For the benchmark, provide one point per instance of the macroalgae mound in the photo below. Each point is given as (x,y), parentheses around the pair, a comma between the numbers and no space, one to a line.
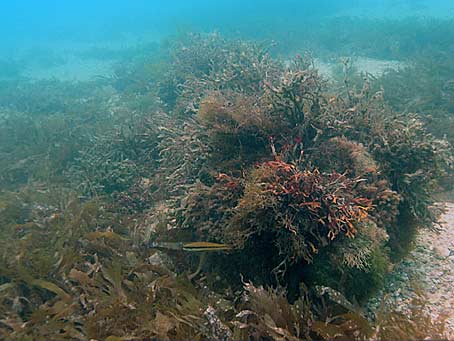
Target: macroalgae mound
(307,188)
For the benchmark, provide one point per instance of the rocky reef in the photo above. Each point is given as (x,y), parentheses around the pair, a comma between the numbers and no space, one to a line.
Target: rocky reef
(314,191)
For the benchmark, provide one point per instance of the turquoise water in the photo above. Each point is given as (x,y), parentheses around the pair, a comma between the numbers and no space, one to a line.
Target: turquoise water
(45,39)
(26,24)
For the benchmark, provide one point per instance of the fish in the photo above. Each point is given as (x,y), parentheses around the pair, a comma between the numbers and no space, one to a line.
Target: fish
(192,246)
(202,247)
(205,247)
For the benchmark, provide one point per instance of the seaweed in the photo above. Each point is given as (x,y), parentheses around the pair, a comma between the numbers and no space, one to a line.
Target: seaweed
(386,324)
(208,140)
(268,315)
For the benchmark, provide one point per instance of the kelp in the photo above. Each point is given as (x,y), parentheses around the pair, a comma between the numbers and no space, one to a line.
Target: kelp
(386,324)
(201,64)
(84,282)
(267,314)
(356,129)
(209,141)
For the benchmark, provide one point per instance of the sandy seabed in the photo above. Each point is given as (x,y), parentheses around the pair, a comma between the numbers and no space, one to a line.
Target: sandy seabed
(428,273)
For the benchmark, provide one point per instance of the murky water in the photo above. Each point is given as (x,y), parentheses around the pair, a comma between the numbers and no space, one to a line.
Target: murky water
(228,170)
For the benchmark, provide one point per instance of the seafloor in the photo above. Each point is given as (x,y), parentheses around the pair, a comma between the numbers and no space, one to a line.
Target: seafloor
(427,272)
(429,269)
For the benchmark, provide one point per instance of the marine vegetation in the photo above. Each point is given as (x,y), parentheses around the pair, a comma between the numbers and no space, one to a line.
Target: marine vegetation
(213,192)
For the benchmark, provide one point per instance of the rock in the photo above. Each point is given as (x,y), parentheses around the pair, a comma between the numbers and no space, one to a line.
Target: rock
(218,330)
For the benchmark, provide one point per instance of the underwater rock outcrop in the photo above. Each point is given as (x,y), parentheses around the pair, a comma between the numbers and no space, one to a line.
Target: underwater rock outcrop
(305,187)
